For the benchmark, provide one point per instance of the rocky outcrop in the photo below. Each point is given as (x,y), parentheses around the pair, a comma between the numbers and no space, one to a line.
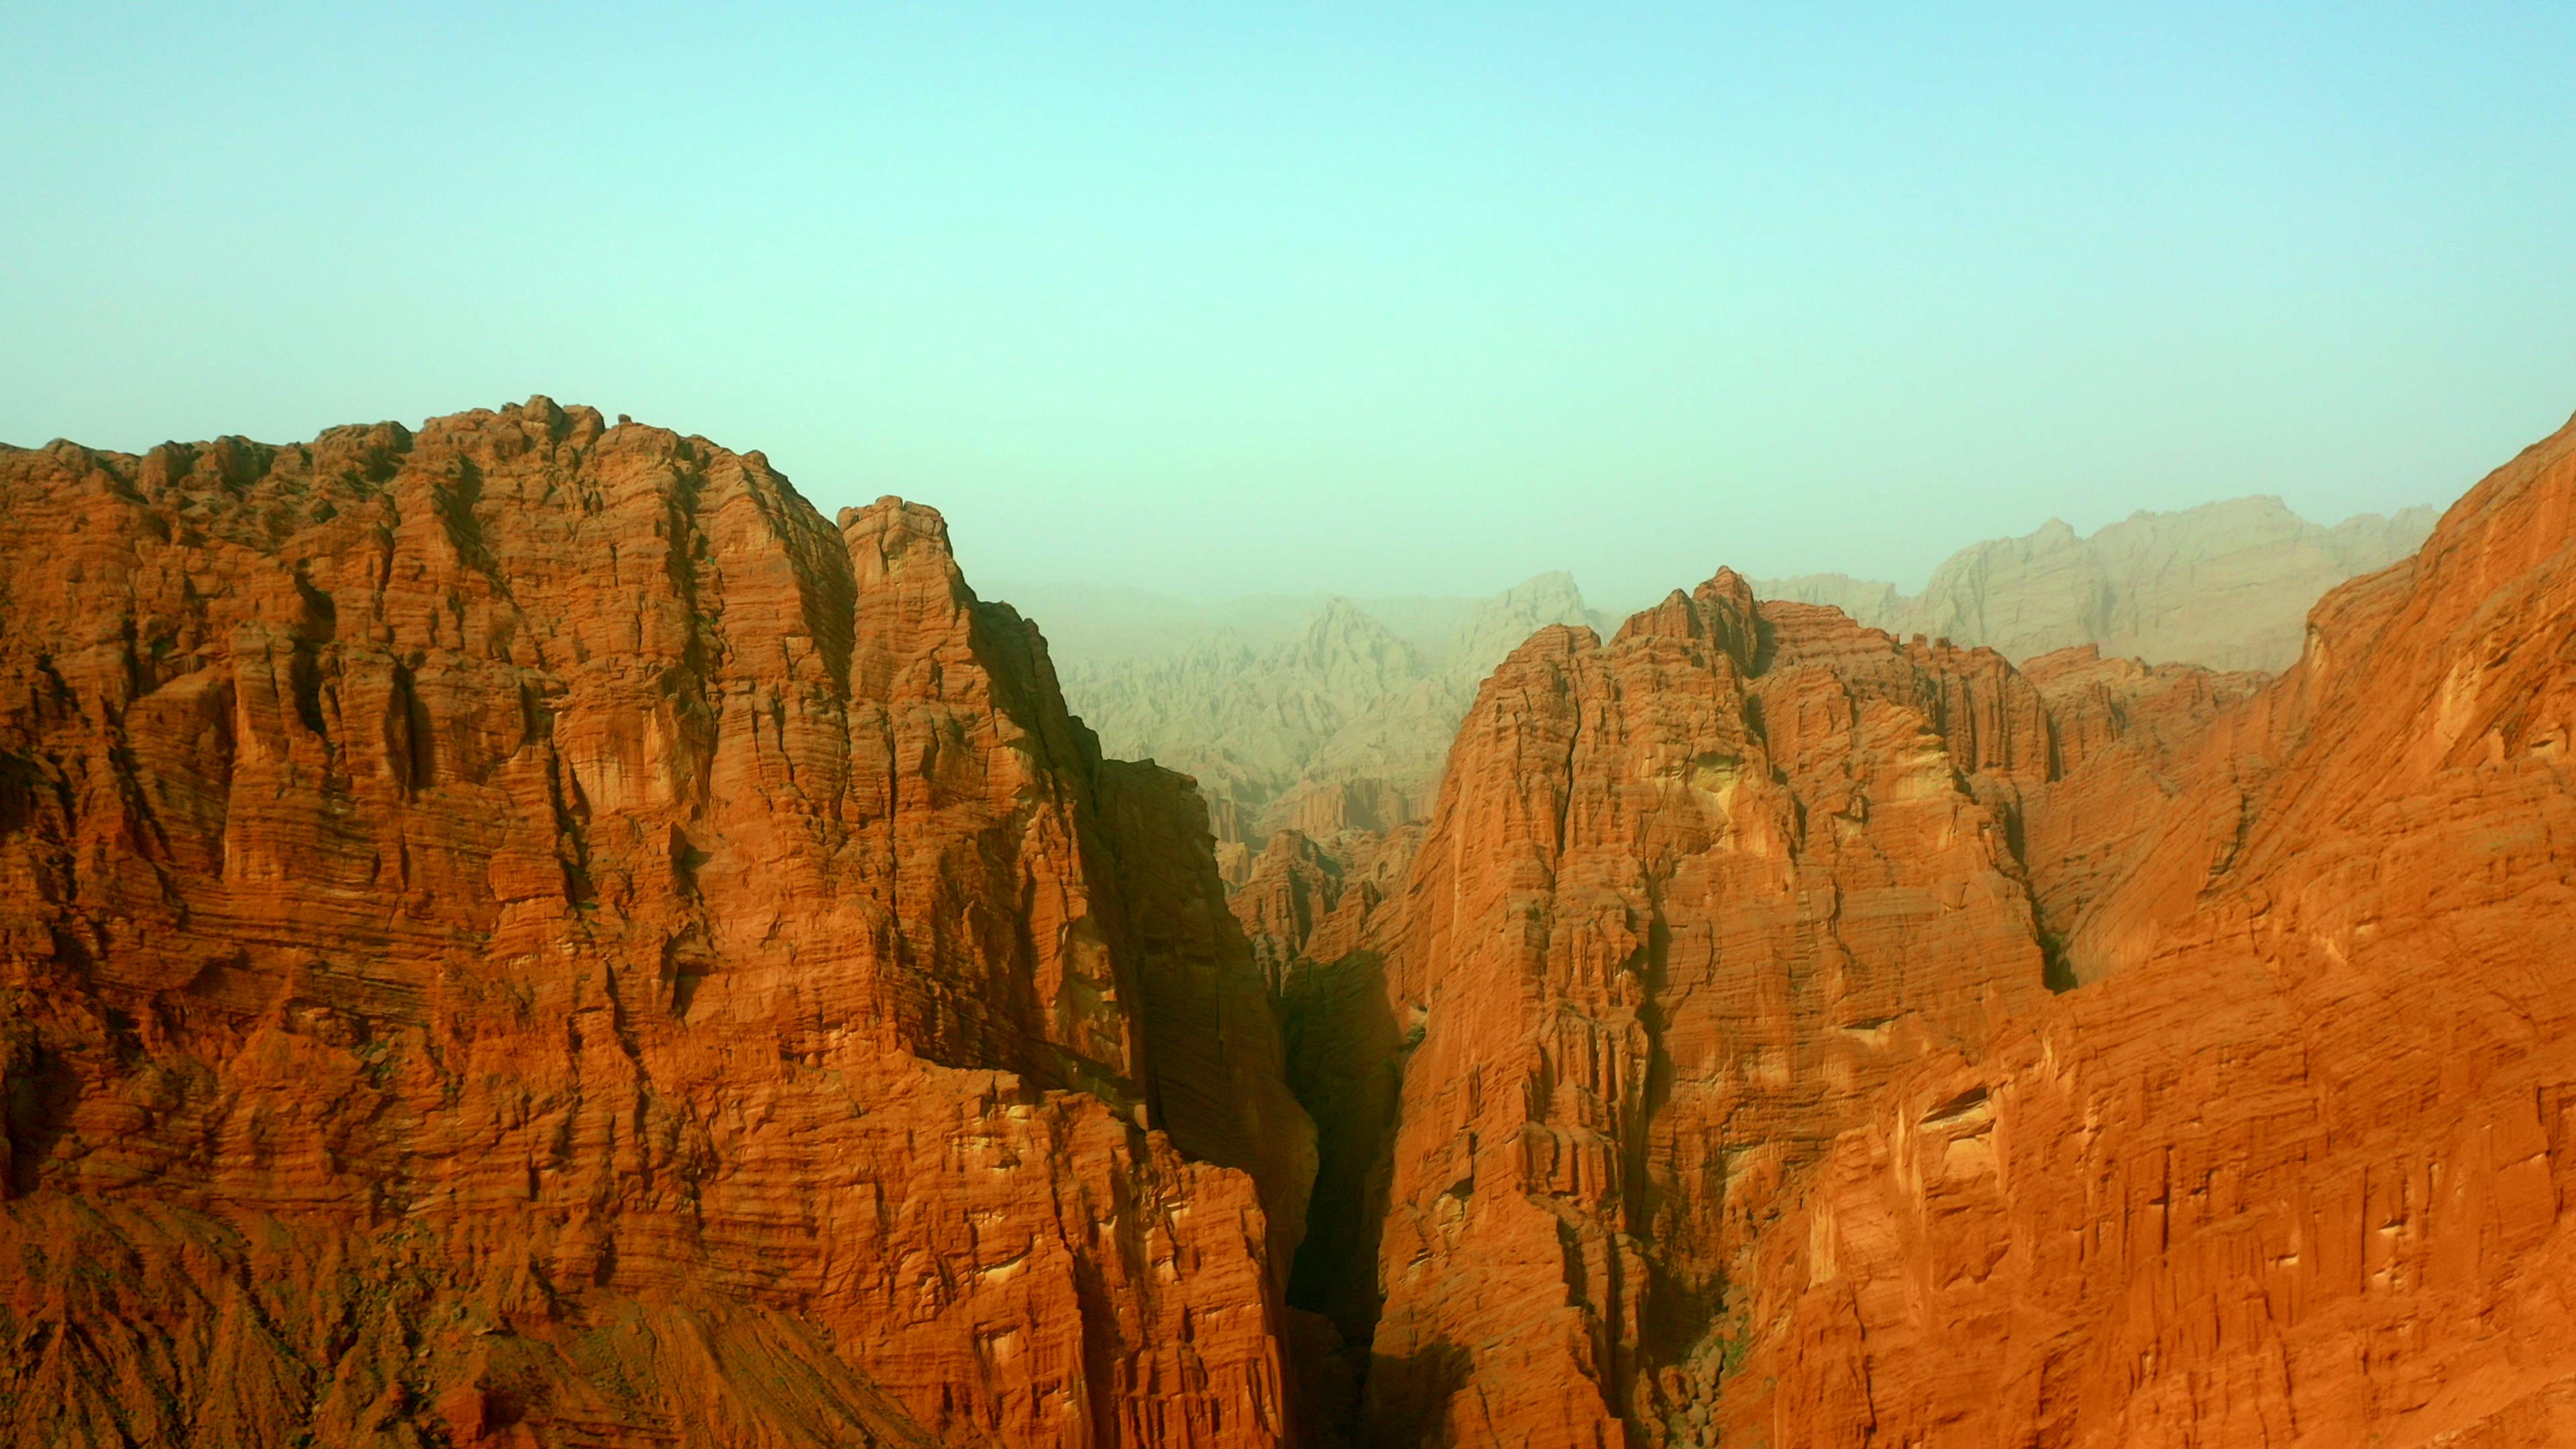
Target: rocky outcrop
(2294,1169)
(522,932)
(1691,898)
(1703,1083)
(2225,584)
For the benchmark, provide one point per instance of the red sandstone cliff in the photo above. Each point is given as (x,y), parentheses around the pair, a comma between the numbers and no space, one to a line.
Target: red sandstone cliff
(1690,900)
(1704,1085)
(2294,1169)
(523,932)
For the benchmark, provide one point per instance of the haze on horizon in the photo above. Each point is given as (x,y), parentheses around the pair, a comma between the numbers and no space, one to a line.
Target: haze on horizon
(1410,302)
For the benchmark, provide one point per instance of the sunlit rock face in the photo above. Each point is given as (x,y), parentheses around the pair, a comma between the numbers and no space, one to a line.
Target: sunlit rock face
(524,933)
(1707,1083)
(525,929)
(2293,1170)
(1691,899)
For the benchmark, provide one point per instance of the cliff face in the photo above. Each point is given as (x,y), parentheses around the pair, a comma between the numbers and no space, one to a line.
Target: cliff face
(2294,1170)
(525,932)
(1702,1082)
(1691,900)
(2226,584)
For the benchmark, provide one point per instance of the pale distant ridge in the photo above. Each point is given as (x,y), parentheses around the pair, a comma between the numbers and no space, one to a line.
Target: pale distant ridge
(1344,724)
(2225,584)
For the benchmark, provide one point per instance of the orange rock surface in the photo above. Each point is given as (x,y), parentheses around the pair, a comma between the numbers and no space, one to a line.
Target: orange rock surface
(524,932)
(1702,1083)
(2293,1170)
(1690,898)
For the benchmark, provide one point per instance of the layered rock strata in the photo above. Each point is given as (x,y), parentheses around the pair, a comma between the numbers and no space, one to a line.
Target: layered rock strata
(1692,899)
(1702,1082)
(2294,1170)
(524,932)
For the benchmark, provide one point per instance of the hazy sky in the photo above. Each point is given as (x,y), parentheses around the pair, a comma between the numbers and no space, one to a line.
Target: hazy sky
(1378,299)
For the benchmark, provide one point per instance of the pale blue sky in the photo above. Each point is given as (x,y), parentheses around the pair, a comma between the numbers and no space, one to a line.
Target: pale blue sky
(1375,299)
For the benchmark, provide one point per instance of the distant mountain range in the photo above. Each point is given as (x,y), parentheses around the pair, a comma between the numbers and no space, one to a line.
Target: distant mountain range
(2225,584)
(1321,713)
(1342,724)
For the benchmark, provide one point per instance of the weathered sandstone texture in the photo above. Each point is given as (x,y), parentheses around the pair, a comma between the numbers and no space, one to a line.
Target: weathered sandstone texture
(1691,900)
(1700,1081)
(2294,1169)
(522,932)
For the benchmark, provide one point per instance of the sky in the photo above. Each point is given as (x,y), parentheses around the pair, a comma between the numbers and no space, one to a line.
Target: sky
(1384,299)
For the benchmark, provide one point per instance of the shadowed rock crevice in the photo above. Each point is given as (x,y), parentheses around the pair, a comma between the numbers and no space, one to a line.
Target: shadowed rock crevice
(1345,1059)
(1413,1400)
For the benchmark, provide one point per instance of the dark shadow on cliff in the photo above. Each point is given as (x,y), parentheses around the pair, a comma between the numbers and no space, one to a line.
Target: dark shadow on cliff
(1408,1398)
(1345,1063)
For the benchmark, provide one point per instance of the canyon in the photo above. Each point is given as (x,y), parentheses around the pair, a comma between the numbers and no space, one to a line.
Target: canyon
(1784,1034)
(522,932)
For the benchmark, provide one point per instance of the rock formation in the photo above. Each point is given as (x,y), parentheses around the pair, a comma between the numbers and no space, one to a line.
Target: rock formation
(1691,899)
(522,932)
(2294,1168)
(2224,584)
(1702,1083)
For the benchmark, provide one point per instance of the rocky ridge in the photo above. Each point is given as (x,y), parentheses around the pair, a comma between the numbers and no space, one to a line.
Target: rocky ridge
(2227,584)
(1691,900)
(1346,725)
(1702,1082)
(523,932)
(2294,1170)
(1342,727)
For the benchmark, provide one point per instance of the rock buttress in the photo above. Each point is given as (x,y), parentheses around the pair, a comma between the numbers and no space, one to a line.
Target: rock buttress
(2293,1168)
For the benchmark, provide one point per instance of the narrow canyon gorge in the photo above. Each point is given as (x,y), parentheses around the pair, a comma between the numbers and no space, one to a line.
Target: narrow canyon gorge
(523,932)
